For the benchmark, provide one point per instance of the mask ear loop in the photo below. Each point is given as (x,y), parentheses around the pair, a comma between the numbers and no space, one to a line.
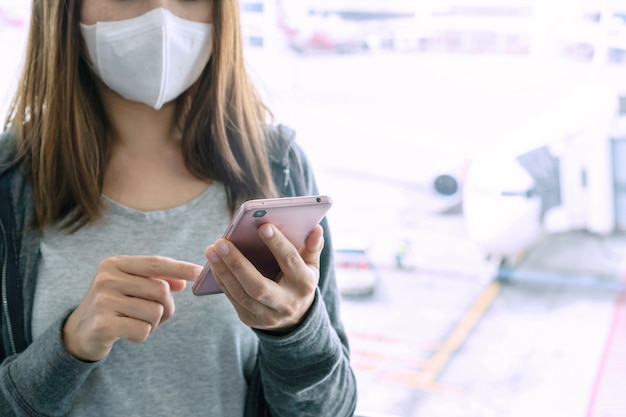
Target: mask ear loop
(89,49)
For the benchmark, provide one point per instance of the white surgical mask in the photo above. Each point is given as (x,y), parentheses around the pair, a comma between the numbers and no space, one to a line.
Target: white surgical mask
(152,58)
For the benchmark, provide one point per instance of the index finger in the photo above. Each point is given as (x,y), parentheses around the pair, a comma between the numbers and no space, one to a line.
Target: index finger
(158,267)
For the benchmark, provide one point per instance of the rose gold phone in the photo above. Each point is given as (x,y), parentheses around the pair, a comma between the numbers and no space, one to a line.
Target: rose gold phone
(295,217)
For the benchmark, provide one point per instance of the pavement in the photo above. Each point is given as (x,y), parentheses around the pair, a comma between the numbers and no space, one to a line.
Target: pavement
(450,339)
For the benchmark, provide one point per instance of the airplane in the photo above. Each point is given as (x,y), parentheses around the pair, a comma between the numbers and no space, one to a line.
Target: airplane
(565,171)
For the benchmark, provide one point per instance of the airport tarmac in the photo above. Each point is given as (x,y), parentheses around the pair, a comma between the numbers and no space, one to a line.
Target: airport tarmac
(448,339)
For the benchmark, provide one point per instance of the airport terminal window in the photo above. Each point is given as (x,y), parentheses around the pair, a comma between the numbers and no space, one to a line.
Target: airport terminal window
(462,295)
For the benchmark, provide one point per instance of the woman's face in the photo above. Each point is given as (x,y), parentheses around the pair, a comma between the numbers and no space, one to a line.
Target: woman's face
(93,11)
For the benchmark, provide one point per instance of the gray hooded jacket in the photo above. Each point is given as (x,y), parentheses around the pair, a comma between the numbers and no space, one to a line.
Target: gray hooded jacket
(304,373)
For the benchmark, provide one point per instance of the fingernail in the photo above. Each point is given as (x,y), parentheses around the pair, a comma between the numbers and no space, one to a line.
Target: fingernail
(222,248)
(268,231)
(212,255)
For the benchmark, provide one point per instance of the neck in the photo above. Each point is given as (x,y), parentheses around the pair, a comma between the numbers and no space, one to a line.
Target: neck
(146,170)
(137,126)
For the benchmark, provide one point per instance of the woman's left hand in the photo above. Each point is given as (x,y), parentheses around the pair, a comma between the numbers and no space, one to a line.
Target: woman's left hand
(260,302)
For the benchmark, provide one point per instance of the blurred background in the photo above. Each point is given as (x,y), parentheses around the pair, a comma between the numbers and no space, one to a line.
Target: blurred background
(476,154)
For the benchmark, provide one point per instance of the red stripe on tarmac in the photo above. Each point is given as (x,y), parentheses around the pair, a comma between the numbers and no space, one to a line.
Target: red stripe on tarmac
(607,397)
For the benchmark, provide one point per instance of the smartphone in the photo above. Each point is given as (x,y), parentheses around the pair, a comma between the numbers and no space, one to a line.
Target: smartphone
(295,217)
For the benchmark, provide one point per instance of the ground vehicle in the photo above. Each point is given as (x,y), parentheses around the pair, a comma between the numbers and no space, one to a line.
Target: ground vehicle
(356,274)
(13,15)
(325,32)
(341,26)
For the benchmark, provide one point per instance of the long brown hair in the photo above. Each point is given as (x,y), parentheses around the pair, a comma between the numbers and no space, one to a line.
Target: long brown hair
(62,130)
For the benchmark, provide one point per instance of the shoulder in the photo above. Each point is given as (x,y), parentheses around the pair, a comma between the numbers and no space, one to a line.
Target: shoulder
(8,151)
(15,188)
(290,166)
(280,140)
(282,144)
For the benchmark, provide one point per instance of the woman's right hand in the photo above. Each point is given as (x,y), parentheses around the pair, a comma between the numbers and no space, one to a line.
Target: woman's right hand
(129,297)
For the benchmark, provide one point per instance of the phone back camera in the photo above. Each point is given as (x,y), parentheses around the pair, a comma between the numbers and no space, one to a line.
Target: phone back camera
(259,213)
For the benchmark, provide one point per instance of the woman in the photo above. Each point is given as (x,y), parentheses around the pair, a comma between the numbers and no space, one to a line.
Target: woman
(132,138)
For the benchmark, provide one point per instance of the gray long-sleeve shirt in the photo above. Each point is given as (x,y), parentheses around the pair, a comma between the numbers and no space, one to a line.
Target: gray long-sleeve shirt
(304,373)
